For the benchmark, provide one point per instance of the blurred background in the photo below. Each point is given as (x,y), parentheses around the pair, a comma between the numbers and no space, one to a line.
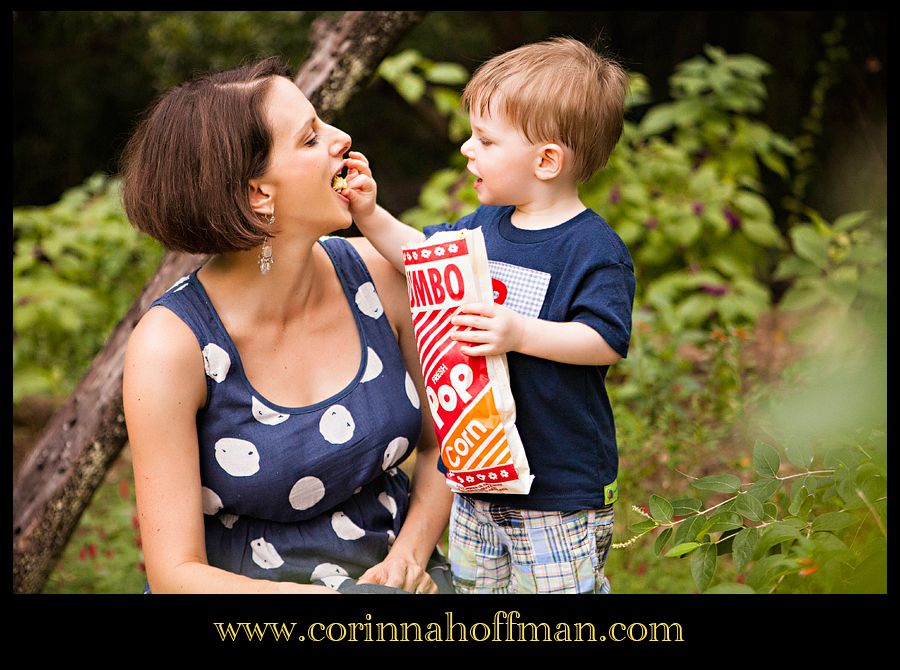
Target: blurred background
(750,186)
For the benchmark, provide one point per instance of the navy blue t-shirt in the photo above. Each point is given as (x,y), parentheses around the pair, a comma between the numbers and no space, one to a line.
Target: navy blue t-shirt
(578,271)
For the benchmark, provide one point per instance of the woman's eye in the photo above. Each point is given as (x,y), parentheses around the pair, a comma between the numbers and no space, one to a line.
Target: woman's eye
(312,141)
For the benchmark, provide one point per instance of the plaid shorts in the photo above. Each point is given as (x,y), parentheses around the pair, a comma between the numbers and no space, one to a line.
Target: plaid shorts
(499,549)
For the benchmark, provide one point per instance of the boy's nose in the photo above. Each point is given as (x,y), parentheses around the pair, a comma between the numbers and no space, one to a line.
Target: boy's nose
(466,149)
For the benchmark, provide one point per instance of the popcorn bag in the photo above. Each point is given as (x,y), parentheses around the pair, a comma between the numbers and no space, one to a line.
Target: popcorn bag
(469,396)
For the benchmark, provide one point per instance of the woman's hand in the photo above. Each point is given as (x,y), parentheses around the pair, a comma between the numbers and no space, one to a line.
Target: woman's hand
(495,329)
(402,572)
(361,187)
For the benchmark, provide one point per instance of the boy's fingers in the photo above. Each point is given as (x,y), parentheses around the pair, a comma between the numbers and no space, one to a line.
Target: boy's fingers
(481,308)
(358,165)
(480,350)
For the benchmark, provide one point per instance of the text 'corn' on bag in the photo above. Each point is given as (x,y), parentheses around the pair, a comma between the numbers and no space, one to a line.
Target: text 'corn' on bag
(469,396)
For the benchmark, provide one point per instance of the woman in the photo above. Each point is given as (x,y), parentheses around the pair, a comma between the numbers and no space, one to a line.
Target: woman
(270,395)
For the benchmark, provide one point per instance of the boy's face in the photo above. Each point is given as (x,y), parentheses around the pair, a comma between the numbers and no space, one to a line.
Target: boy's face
(502,159)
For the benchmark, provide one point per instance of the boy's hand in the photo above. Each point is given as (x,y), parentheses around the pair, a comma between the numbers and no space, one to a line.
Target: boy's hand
(495,329)
(361,187)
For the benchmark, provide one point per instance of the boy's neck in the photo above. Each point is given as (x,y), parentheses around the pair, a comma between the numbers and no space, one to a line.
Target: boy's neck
(540,214)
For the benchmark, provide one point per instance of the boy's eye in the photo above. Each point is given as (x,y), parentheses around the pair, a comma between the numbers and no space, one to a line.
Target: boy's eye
(484,142)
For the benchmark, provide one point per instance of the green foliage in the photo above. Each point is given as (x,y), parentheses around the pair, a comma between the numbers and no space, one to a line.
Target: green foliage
(683,190)
(182,44)
(77,267)
(836,268)
(821,529)
(420,80)
(814,517)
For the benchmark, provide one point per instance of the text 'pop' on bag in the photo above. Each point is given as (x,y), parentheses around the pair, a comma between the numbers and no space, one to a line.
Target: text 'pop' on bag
(469,397)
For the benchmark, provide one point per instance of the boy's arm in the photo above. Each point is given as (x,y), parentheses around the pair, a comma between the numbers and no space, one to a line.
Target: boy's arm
(386,233)
(498,329)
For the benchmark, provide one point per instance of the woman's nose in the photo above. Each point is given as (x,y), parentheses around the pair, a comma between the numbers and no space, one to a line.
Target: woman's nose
(341,142)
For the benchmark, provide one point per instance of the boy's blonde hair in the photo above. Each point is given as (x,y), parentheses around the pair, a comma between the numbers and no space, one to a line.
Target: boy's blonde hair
(558,90)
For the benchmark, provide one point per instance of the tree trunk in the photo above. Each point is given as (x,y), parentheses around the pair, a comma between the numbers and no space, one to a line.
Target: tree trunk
(69,460)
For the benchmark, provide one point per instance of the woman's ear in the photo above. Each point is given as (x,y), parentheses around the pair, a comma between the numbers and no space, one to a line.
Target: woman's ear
(260,196)
(552,160)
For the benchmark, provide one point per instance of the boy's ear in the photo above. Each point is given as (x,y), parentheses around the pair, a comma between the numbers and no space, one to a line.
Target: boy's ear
(261,199)
(552,160)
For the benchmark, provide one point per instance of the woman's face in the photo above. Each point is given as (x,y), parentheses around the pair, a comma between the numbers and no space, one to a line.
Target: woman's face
(306,154)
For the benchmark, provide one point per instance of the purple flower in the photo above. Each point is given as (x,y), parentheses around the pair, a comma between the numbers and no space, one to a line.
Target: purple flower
(714,289)
(733,219)
(615,195)
(651,223)
(698,207)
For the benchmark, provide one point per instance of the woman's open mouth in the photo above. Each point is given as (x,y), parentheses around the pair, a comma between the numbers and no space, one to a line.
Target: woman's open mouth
(339,181)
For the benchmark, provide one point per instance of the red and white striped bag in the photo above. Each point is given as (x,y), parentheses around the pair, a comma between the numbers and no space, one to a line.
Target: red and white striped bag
(469,396)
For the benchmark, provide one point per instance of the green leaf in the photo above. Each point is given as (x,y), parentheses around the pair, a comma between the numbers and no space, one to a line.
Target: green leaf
(763,233)
(743,546)
(799,453)
(748,506)
(703,566)
(766,570)
(661,541)
(729,588)
(810,244)
(799,497)
(447,73)
(660,508)
(410,86)
(776,533)
(682,549)
(718,483)
(643,526)
(850,221)
(689,529)
(763,489)
(724,521)
(658,119)
(685,506)
(832,521)
(802,296)
(765,460)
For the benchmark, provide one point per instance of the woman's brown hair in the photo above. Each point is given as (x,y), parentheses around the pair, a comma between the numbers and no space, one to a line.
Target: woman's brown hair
(186,167)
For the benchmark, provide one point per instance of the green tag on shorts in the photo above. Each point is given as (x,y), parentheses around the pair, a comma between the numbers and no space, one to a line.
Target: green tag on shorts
(611,492)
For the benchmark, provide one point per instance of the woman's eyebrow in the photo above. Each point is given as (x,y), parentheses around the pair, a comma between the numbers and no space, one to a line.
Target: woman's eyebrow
(303,128)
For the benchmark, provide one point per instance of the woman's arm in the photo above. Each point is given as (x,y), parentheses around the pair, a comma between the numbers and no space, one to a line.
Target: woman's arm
(164,385)
(430,498)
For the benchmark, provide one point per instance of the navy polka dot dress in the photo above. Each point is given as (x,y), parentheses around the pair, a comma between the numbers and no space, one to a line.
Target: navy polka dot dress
(303,493)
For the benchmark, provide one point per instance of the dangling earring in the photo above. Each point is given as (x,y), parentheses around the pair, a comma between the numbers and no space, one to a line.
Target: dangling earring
(265,254)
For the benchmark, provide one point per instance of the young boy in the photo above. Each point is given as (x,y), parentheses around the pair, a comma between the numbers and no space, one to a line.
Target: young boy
(545,117)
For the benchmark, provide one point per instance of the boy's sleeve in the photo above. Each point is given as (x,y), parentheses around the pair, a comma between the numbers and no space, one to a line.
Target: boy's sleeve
(604,301)
(439,228)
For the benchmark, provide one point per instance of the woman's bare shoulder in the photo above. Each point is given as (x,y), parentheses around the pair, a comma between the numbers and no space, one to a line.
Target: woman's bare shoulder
(162,349)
